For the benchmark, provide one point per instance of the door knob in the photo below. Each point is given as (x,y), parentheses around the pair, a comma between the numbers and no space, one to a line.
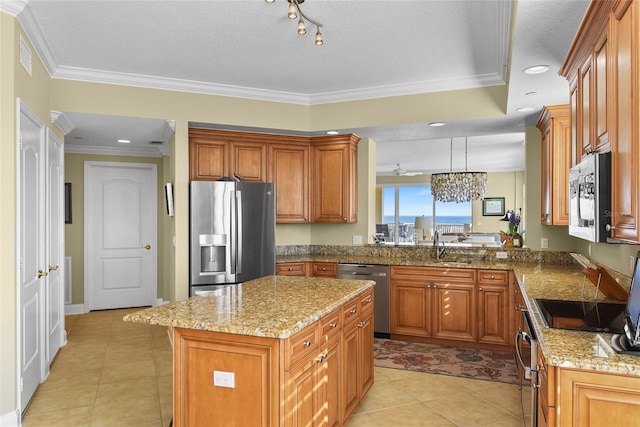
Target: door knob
(147,247)
(53,268)
(42,273)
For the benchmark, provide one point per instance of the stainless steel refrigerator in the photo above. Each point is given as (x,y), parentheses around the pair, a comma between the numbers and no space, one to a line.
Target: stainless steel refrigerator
(232,233)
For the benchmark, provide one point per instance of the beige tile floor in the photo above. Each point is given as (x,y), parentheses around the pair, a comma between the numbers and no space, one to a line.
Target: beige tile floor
(113,373)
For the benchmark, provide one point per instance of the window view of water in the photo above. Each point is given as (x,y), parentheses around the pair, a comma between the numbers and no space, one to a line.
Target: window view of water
(388,219)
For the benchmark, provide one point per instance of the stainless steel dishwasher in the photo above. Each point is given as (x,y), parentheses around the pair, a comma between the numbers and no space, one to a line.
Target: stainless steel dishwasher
(380,275)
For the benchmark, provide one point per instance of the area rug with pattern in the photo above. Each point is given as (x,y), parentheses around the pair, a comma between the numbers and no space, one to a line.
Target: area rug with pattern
(436,359)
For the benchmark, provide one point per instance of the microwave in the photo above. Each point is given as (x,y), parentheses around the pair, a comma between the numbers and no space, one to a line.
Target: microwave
(590,197)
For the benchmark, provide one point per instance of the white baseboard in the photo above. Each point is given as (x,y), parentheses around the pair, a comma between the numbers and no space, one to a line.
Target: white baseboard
(74,309)
(12,419)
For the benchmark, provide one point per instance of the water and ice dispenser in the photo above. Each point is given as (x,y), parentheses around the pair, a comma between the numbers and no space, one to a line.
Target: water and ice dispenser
(212,253)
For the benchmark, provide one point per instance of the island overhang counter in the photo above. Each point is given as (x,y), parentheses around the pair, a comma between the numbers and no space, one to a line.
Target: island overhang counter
(275,351)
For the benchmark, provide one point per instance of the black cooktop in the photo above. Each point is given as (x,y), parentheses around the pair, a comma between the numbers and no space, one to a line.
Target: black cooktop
(582,315)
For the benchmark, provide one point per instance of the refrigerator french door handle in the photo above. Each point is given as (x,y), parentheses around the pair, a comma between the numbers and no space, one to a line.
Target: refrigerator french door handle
(240,226)
(233,231)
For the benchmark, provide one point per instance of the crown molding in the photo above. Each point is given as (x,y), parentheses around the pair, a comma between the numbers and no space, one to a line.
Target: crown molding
(12,7)
(61,121)
(110,151)
(29,24)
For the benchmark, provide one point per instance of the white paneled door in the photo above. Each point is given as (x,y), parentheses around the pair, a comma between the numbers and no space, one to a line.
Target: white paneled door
(31,261)
(120,235)
(54,248)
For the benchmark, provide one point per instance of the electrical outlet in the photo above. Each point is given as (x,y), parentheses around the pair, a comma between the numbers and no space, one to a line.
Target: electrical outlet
(544,243)
(224,379)
(357,239)
(501,255)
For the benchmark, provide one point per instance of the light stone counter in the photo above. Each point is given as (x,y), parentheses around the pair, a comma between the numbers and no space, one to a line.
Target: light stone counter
(272,306)
(564,348)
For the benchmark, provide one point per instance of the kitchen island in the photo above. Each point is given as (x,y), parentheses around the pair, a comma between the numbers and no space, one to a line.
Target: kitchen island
(275,351)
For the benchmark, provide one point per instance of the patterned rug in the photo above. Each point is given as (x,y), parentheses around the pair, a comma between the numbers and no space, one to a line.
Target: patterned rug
(435,359)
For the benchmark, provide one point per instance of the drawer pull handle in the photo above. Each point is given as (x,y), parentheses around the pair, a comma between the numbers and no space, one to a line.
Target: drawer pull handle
(492,277)
(322,356)
(306,343)
(368,300)
(290,268)
(353,311)
(362,324)
(333,324)
(480,289)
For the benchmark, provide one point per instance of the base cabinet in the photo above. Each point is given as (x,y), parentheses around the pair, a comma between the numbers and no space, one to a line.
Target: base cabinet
(317,377)
(598,399)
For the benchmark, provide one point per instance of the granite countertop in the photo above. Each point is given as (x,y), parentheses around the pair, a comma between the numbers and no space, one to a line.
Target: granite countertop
(566,348)
(562,281)
(272,306)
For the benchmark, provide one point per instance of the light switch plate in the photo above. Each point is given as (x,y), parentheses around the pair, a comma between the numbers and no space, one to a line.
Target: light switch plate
(357,239)
(544,243)
(501,255)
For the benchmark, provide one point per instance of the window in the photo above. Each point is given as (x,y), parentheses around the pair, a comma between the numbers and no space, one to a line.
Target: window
(401,204)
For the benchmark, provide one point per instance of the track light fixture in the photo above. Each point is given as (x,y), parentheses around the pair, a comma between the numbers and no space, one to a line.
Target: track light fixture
(295,12)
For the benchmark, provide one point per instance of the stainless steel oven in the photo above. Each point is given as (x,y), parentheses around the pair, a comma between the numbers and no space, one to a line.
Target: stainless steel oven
(527,355)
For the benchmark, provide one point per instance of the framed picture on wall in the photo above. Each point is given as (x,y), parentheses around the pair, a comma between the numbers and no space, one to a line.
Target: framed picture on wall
(493,206)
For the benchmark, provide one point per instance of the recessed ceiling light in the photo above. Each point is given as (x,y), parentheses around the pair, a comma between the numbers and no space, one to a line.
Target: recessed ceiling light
(525,109)
(536,69)
(332,132)
(124,141)
(436,124)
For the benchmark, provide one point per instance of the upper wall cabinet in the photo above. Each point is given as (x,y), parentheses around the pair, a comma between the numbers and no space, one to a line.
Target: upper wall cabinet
(316,178)
(216,154)
(335,172)
(602,70)
(554,125)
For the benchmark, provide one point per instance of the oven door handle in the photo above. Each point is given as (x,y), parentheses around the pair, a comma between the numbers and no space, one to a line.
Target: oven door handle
(522,335)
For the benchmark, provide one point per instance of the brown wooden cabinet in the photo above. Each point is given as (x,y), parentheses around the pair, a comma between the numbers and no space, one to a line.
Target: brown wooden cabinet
(324,269)
(602,67)
(215,154)
(357,348)
(316,179)
(438,303)
(289,169)
(546,393)
(493,307)
(298,269)
(335,183)
(555,128)
(317,377)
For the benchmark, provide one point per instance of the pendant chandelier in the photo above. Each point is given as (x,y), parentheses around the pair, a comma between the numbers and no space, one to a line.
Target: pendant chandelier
(295,12)
(458,187)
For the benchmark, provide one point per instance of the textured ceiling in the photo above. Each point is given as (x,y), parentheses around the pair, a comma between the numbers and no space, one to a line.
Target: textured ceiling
(372,49)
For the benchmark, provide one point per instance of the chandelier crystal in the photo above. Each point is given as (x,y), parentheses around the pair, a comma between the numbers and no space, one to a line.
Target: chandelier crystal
(294,11)
(458,187)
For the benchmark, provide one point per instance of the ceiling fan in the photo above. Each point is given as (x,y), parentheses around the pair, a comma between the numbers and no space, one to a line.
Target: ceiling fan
(401,172)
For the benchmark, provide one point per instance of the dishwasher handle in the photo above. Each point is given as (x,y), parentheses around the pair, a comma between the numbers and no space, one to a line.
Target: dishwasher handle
(356,273)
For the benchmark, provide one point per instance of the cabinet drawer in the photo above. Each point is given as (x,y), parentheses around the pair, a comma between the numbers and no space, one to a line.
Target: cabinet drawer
(291,269)
(330,325)
(350,311)
(301,344)
(498,277)
(325,269)
(366,301)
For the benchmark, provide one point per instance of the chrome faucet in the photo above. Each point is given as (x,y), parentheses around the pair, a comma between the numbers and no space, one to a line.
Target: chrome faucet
(436,243)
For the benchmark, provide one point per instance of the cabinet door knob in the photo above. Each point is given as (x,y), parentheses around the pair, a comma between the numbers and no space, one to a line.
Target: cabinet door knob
(306,343)
(362,324)
(480,289)
(333,324)
(353,311)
